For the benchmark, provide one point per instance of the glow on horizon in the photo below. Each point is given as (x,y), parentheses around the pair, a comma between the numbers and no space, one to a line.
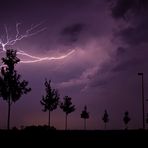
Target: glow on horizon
(29,32)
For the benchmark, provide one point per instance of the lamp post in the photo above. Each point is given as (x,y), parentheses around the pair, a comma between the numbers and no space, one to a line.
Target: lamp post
(143,114)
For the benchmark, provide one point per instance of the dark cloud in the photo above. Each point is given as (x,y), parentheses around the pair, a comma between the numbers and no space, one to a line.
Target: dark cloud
(133,36)
(72,33)
(123,8)
(120,52)
(137,34)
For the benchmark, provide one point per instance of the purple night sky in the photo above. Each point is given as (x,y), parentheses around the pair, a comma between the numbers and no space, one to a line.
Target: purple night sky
(110,38)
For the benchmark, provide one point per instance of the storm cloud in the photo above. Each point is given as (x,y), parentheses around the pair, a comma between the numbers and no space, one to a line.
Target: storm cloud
(110,42)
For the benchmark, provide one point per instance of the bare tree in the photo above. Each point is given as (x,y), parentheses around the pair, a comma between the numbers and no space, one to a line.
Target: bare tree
(67,107)
(51,99)
(11,87)
(85,115)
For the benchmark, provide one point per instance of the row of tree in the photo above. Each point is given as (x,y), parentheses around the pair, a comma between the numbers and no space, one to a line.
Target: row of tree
(126,119)
(52,99)
(12,88)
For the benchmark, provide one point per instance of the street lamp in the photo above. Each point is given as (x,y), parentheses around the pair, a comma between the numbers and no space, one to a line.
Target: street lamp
(141,74)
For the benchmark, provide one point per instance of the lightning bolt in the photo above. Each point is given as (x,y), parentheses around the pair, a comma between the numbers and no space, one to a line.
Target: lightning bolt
(33,30)
(39,59)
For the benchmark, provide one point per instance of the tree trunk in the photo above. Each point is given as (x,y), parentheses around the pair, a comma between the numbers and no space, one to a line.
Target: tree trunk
(8,120)
(126,127)
(84,124)
(105,125)
(66,122)
(49,119)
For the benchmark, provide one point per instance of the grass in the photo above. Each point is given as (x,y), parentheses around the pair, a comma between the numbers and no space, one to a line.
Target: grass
(71,138)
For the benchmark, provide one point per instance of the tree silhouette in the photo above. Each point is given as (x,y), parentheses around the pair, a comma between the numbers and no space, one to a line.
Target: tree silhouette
(85,115)
(51,99)
(126,119)
(11,87)
(67,107)
(105,118)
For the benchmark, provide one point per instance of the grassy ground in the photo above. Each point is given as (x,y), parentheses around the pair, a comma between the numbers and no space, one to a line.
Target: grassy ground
(73,138)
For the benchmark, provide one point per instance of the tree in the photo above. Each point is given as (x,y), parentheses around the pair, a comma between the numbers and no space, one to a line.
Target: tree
(51,99)
(85,115)
(67,107)
(105,118)
(11,87)
(126,119)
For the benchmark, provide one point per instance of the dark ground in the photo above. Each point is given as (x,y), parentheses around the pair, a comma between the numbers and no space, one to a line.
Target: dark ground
(73,138)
